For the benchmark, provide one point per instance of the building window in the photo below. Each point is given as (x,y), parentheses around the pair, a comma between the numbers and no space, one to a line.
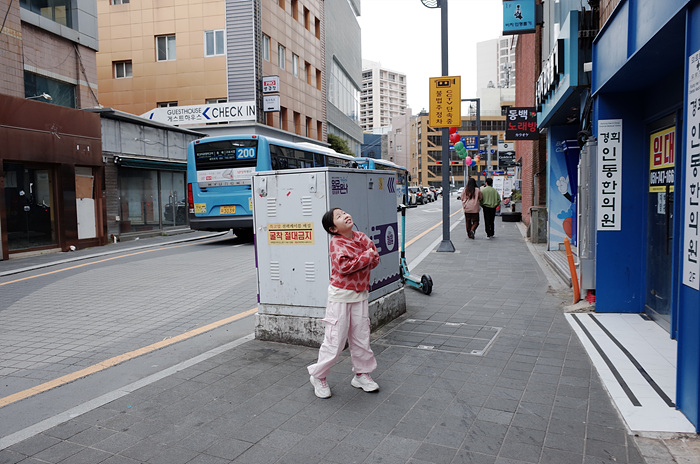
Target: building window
(317,28)
(295,65)
(266,47)
(280,55)
(122,69)
(343,93)
(283,118)
(281,3)
(297,123)
(309,127)
(307,70)
(62,93)
(318,79)
(119,2)
(307,19)
(295,9)
(56,10)
(166,104)
(214,43)
(165,47)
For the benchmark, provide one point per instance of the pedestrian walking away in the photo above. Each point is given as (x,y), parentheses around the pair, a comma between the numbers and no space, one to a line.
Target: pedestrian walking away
(489,202)
(471,198)
(353,255)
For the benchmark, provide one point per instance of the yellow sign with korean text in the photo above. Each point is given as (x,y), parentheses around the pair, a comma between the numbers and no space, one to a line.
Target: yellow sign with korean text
(662,160)
(290,233)
(445,101)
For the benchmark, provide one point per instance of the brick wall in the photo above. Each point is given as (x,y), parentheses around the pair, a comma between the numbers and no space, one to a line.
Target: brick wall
(57,58)
(11,73)
(528,57)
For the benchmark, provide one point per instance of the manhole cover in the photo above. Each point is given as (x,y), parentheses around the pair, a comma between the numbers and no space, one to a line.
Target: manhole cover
(441,336)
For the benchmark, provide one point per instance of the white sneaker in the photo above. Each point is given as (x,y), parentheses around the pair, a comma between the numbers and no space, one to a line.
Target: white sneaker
(365,382)
(321,388)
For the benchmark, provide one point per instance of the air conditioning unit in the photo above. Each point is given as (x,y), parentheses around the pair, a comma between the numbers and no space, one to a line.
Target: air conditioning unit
(538,224)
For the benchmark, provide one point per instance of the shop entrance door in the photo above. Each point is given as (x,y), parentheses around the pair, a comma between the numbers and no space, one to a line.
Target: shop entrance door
(660,225)
(29,206)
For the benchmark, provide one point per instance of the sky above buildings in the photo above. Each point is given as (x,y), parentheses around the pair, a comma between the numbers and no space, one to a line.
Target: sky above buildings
(404,36)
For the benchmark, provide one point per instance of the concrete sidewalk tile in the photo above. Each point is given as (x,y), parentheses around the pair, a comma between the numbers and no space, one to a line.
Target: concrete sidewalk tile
(91,456)
(35,444)
(59,452)
(603,450)
(435,453)
(344,453)
(227,448)
(520,452)
(469,457)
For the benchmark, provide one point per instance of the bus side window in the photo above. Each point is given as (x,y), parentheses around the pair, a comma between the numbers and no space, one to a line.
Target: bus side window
(319,160)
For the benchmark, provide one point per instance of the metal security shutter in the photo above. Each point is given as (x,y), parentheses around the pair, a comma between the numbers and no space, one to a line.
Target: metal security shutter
(241,49)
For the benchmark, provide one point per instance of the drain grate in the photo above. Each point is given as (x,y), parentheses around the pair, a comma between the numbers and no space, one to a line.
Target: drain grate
(441,336)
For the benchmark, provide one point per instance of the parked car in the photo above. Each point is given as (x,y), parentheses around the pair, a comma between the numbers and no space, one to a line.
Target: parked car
(435,192)
(428,194)
(418,194)
(459,192)
(411,194)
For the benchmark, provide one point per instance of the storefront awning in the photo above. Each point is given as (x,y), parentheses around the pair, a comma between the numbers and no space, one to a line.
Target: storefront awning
(144,163)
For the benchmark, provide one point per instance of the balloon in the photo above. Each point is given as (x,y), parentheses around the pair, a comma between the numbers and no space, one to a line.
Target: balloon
(459,146)
(473,163)
(453,130)
(454,138)
(477,157)
(468,160)
(462,156)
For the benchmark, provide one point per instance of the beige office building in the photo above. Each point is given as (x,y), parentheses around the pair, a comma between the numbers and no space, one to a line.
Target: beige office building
(174,53)
(425,163)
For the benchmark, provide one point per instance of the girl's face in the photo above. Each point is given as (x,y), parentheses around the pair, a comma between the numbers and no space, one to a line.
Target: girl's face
(342,223)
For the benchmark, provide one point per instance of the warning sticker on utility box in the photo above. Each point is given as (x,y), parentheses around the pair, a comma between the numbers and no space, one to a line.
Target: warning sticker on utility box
(290,233)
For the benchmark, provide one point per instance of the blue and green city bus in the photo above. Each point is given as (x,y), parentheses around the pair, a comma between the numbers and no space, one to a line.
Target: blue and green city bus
(220,169)
(402,176)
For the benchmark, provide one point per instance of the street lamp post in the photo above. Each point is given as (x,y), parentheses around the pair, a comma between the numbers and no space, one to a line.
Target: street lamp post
(446,245)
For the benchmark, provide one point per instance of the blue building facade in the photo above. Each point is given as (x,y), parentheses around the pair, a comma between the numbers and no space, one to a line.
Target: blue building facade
(645,84)
(561,92)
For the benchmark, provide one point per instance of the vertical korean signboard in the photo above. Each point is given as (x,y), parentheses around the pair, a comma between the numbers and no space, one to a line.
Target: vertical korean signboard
(609,174)
(691,267)
(445,101)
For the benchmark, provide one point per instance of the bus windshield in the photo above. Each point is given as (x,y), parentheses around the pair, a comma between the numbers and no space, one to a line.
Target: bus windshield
(225,162)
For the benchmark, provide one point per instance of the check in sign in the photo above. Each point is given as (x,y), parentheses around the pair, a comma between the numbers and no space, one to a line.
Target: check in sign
(445,101)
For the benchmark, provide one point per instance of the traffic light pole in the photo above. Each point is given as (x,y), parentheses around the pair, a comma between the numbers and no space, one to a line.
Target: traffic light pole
(446,244)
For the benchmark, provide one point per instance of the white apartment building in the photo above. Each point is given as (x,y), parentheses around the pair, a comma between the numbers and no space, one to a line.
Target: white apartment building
(495,63)
(383,96)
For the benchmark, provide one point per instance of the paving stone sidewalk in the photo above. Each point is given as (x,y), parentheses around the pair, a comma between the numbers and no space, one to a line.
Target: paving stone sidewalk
(484,370)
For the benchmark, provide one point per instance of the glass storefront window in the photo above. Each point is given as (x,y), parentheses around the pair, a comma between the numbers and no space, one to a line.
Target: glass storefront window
(138,200)
(29,206)
(151,200)
(172,199)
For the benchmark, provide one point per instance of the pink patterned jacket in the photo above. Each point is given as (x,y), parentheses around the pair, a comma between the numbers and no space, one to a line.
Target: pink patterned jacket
(352,260)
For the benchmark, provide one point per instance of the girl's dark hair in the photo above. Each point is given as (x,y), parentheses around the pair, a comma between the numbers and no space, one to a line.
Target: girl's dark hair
(471,188)
(327,221)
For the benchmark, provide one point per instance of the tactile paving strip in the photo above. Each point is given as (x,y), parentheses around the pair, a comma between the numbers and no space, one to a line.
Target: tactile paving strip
(441,336)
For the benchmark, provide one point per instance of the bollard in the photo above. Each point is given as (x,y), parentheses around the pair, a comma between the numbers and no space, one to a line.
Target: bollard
(572,269)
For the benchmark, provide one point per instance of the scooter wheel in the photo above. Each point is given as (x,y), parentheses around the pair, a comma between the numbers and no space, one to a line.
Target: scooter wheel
(426,284)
